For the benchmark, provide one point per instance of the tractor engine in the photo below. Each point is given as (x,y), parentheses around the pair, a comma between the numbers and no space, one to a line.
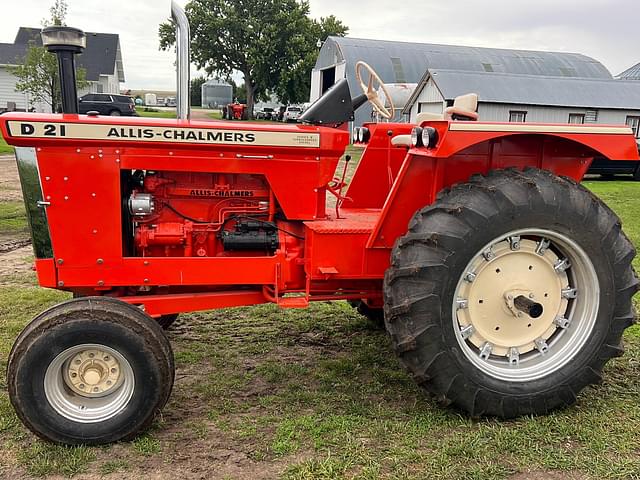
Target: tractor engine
(185,214)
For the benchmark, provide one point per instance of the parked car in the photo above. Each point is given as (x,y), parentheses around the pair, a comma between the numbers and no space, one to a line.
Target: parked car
(170,102)
(291,114)
(609,168)
(107,104)
(267,113)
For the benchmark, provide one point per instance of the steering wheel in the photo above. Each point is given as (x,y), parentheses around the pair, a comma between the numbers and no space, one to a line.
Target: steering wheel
(371,93)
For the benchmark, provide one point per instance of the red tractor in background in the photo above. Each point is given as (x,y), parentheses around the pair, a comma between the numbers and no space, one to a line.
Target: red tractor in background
(235,111)
(505,285)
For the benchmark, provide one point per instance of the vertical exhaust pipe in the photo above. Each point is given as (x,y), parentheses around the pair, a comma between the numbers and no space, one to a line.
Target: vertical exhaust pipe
(66,43)
(183,37)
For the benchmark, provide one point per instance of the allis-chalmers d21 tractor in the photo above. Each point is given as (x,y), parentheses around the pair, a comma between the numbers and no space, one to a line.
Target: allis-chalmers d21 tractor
(505,285)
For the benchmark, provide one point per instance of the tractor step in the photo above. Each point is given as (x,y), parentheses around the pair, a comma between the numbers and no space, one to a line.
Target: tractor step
(293,302)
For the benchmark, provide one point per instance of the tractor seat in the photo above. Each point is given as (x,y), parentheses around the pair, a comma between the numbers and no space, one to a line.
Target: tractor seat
(465,107)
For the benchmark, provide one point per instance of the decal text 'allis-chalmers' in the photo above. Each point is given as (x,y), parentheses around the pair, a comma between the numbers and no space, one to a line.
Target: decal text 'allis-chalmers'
(78,131)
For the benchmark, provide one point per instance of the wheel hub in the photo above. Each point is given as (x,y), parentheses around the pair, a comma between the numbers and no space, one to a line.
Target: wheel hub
(89,383)
(93,373)
(514,295)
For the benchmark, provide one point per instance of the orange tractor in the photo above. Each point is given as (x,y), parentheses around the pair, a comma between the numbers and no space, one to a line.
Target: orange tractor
(504,284)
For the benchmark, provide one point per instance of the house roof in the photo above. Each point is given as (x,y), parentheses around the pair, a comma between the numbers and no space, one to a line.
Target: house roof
(533,90)
(404,62)
(12,54)
(632,73)
(100,57)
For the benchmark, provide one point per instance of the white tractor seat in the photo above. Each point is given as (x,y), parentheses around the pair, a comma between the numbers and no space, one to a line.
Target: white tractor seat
(465,107)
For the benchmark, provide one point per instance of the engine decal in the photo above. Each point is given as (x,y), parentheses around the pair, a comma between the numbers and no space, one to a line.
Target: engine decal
(201,192)
(90,131)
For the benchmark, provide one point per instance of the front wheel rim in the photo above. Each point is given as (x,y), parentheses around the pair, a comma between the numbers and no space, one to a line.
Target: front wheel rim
(526,304)
(89,383)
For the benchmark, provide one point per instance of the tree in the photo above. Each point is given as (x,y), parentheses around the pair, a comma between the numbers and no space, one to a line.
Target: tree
(38,75)
(294,84)
(196,91)
(58,12)
(266,41)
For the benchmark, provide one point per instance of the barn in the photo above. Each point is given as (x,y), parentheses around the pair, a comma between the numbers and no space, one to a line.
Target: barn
(530,98)
(404,62)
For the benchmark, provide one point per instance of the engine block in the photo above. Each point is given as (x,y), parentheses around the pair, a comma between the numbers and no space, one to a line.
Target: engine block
(187,214)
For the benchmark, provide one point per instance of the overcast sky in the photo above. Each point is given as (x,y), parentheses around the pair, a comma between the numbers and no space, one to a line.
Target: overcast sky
(604,29)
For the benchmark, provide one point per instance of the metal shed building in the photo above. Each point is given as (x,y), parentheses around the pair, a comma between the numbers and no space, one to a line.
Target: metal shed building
(216,93)
(404,62)
(632,73)
(531,98)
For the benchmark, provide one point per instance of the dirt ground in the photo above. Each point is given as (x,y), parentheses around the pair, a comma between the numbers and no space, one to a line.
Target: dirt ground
(9,181)
(15,253)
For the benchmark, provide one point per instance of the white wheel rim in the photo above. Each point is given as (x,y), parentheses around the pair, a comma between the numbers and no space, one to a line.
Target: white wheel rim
(537,266)
(89,383)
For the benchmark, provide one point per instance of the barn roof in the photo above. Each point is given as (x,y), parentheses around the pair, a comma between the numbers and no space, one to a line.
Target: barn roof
(99,58)
(405,62)
(632,73)
(533,89)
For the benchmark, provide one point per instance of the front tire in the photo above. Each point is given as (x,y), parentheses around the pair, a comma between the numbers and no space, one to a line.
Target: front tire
(542,240)
(636,174)
(90,371)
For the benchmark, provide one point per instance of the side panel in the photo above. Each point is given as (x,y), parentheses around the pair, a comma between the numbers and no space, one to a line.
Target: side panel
(378,167)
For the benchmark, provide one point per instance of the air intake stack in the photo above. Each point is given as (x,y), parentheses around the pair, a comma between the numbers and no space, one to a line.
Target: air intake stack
(66,43)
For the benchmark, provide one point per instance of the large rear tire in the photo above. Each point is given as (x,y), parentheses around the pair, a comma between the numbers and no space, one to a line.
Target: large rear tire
(92,370)
(510,293)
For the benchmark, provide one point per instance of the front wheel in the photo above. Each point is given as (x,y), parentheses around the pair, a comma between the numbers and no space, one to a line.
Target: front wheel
(636,174)
(92,370)
(510,293)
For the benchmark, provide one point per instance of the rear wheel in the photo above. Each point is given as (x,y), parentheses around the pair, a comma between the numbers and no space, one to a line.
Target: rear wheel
(510,293)
(91,370)
(114,113)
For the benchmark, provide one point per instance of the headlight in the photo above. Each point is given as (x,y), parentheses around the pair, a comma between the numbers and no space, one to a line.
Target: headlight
(416,137)
(355,135)
(365,134)
(429,137)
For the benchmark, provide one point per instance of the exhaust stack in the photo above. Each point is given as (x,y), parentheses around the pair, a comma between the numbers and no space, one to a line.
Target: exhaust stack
(183,37)
(66,43)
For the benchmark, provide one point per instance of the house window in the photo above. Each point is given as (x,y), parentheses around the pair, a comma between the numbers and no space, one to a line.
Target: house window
(576,118)
(517,116)
(634,123)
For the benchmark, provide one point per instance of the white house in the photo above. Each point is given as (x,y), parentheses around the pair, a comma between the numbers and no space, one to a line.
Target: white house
(102,61)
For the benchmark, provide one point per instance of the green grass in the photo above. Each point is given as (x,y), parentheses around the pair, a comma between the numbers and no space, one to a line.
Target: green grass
(13,219)
(4,148)
(318,394)
(624,198)
(156,114)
